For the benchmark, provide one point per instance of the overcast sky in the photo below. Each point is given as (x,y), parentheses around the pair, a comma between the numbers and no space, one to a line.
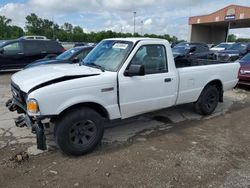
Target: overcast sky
(152,16)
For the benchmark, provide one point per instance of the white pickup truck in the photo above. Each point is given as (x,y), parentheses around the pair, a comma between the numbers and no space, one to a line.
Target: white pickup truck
(120,78)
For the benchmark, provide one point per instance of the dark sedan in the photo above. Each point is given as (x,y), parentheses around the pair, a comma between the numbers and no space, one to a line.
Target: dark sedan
(244,73)
(73,55)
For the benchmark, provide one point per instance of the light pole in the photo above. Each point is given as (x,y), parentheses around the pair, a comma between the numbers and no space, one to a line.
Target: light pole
(142,27)
(134,21)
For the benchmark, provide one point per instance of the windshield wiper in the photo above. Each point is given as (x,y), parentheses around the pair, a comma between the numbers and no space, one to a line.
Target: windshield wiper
(96,66)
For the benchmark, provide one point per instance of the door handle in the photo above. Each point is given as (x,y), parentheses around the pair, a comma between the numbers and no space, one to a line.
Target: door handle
(20,53)
(168,79)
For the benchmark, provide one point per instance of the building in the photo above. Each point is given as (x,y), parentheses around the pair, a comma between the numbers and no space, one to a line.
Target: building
(214,27)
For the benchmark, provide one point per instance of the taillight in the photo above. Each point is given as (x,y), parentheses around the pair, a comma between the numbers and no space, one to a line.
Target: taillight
(63,49)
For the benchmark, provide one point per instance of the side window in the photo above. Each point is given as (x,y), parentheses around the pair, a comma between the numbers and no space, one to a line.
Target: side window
(52,47)
(201,49)
(12,48)
(82,55)
(32,47)
(153,57)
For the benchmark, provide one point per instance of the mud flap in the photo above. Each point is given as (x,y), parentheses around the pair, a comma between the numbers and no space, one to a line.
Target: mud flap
(40,136)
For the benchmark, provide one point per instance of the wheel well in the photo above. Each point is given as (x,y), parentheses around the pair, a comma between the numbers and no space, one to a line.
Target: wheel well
(95,106)
(219,86)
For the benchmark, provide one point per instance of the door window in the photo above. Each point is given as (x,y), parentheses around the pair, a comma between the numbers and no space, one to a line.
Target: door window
(83,54)
(153,57)
(12,48)
(32,47)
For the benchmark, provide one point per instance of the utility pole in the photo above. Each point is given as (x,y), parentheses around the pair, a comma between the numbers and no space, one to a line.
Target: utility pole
(134,21)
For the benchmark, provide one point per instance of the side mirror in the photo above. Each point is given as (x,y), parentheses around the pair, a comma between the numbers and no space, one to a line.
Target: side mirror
(192,49)
(1,50)
(135,70)
(75,60)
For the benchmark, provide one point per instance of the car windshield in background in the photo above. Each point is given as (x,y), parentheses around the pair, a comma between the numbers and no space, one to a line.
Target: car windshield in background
(2,42)
(223,45)
(238,47)
(68,54)
(246,58)
(180,49)
(108,55)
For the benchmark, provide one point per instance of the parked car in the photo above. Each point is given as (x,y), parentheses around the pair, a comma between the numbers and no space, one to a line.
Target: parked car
(222,46)
(211,45)
(80,44)
(186,50)
(118,79)
(235,52)
(16,54)
(73,55)
(244,73)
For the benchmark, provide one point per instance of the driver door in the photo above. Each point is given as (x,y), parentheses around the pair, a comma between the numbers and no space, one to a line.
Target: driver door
(12,56)
(156,89)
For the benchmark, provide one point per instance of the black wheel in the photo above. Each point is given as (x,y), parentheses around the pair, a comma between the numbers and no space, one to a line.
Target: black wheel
(207,101)
(79,131)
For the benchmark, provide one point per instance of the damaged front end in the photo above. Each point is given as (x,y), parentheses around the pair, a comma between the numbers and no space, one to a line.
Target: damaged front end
(18,103)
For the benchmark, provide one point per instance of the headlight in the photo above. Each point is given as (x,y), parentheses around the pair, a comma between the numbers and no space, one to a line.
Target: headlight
(32,106)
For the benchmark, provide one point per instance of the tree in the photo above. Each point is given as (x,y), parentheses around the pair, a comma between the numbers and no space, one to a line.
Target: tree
(77,30)
(7,31)
(4,21)
(39,26)
(68,27)
(232,38)
(34,24)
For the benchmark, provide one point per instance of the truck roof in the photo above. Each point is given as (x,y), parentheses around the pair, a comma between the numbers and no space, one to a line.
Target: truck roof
(136,39)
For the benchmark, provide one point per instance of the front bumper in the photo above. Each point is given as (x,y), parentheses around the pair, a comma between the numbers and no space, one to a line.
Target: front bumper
(25,120)
(244,79)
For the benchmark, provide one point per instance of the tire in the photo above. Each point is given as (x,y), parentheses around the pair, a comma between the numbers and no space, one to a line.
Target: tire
(208,100)
(79,131)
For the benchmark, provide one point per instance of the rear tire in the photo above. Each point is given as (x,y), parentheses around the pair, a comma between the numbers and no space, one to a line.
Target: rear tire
(79,131)
(208,100)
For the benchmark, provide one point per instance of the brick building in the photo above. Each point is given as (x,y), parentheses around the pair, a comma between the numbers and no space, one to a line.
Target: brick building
(214,27)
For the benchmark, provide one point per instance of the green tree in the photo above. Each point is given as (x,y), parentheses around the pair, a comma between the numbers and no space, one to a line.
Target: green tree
(77,30)
(231,38)
(68,27)
(7,31)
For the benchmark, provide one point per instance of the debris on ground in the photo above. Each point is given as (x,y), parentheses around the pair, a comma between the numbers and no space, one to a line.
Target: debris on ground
(20,157)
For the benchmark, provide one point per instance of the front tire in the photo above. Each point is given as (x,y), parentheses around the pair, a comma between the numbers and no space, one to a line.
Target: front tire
(79,131)
(208,100)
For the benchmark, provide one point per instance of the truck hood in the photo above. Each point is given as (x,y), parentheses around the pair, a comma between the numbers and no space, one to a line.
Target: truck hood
(33,77)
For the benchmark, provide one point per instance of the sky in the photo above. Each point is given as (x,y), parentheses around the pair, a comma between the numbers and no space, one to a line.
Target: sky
(152,16)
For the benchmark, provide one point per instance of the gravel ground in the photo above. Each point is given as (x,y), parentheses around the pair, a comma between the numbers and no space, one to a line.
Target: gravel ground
(169,148)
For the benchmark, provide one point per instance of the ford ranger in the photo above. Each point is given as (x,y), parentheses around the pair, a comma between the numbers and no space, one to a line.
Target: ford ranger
(119,78)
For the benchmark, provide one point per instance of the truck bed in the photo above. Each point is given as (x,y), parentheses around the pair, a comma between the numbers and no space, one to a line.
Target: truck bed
(199,72)
(197,62)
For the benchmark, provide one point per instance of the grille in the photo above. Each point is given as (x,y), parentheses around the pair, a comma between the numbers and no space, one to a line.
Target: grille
(18,95)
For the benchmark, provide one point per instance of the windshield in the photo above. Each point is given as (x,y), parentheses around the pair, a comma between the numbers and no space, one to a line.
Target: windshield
(68,54)
(246,58)
(108,55)
(180,49)
(224,45)
(2,42)
(238,47)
